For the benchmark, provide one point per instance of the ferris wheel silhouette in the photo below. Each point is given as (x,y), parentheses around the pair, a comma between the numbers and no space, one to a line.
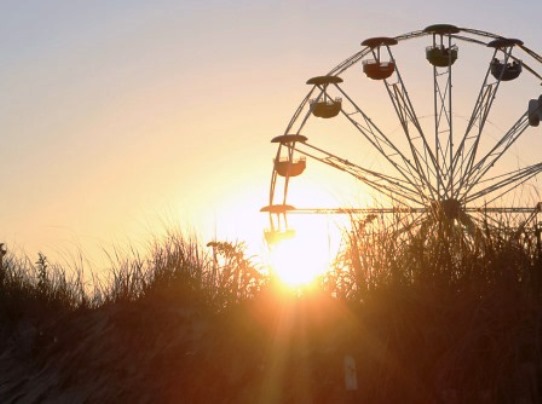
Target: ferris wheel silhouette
(449,169)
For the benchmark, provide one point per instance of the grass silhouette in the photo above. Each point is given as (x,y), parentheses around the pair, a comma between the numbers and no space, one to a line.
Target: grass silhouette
(429,319)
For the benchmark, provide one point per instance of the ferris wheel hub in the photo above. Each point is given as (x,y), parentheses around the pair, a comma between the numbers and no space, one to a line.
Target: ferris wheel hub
(448,209)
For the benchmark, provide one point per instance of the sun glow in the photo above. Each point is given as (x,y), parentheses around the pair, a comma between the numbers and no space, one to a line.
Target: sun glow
(298,261)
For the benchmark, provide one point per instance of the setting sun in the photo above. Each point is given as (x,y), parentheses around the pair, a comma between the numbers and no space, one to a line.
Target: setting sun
(307,243)
(300,260)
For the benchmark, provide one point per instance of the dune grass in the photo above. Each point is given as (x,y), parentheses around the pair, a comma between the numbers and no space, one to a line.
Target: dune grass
(458,312)
(176,270)
(428,317)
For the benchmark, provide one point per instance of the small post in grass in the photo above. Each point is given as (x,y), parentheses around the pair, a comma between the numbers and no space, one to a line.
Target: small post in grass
(3,251)
(350,376)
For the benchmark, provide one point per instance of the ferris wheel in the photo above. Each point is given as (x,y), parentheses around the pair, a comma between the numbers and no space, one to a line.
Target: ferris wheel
(472,148)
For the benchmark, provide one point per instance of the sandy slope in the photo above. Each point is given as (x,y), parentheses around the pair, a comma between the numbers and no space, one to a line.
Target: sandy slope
(270,351)
(154,353)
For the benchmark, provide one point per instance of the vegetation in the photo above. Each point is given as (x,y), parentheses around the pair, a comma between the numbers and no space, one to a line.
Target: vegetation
(458,314)
(431,315)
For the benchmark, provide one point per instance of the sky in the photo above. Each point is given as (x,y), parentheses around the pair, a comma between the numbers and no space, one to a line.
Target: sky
(120,119)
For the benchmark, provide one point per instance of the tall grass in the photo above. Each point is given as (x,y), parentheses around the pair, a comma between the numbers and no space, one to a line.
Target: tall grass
(33,289)
(444,312)
(176,270)
(378,254)
(458,311)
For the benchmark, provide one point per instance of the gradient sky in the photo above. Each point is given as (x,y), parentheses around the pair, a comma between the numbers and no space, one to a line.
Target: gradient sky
(121,118)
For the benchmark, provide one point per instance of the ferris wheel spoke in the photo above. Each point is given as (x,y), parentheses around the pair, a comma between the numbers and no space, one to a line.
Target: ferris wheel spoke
(505,183)
(442,55)
(500,70)
(386,184)
(381,143)
(424,159)
(382,67)
(486,96)
(480,169)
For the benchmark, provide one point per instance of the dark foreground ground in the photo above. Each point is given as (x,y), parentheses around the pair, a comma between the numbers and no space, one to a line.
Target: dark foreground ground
(278,349)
